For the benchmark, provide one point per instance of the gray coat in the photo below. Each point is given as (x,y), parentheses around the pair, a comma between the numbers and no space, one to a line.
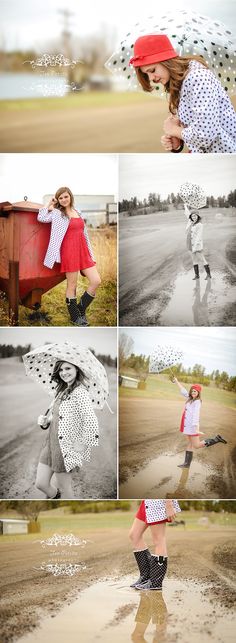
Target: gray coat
(59,227)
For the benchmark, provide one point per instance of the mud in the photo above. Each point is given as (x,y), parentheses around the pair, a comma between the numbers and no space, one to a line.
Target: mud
(98,604)
(21,440)
(148,466)
(165,293)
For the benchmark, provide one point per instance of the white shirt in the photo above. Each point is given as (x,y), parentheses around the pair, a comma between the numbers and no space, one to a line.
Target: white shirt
(206,112)
(192,415)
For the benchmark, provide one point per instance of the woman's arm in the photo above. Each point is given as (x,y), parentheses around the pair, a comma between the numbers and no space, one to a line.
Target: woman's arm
(182,389)
(204,105)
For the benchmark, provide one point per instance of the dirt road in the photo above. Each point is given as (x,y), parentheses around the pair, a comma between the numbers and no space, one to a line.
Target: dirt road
(198,594)
(132,127)
(162,292)
(21,439)
(151,448)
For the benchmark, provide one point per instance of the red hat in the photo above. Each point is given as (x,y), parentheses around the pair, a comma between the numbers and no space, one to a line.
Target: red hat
(152,49)
(197,387)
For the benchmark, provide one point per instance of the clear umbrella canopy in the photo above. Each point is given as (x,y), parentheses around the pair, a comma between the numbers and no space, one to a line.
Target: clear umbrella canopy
(39,364)
(164,356)
(190,34)
(193,195)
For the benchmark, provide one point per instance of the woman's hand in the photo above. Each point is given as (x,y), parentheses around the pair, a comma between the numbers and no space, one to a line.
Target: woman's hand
(171,127)
(174,380)
(170,511)
(170,143)
(79,447)
(44,421)
(52,204)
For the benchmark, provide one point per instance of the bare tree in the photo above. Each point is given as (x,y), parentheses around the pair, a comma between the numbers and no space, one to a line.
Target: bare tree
(125,347)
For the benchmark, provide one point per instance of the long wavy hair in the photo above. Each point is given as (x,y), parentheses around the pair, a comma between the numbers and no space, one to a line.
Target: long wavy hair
(62,386)
(198,218)
(178,69)
(190,397)
(72,200)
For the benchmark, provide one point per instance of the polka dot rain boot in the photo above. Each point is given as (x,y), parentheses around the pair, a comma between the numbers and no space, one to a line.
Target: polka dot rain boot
(158,569)
(75,315)
(83,304)
(142,557)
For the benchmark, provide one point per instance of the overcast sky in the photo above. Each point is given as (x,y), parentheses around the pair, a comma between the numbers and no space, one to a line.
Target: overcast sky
(39,174)
(140,174)
(28,23)
(214,348)
(102,340)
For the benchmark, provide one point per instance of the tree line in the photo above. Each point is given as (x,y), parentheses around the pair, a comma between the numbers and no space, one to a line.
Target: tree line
(140,366)
(31,509)
(154,203)
(7,350)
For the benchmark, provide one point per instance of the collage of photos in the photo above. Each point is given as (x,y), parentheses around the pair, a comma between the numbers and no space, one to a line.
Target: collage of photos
(118,322)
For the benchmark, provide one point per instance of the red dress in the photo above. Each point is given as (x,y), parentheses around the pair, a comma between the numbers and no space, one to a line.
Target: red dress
(74,250)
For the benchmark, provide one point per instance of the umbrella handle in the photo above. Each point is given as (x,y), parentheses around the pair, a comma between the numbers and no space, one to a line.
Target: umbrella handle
(109,408)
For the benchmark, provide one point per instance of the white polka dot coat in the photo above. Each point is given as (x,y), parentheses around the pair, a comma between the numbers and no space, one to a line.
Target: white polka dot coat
(192,415)
(196,232)
(59,227)
(77,424)
(206,112)
(155,510)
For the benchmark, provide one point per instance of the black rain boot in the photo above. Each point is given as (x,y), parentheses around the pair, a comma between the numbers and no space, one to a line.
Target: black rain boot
(56,497)
(188,460)
(196,270)
(73,311)
(83,304)
(142,557)
(210,441)
(158,569)
(208,272)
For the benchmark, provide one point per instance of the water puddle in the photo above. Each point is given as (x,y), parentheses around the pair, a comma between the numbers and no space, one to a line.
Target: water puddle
(163,477)
(112,611)
(198,303)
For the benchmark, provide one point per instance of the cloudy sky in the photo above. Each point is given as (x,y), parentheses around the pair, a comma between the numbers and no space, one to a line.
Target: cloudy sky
(39,174)
(102,340)
(214,348)
(25,24)
(140,174)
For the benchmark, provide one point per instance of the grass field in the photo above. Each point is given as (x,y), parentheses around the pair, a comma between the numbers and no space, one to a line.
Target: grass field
(62,521)
(102,312)
(79,99)
(161,388)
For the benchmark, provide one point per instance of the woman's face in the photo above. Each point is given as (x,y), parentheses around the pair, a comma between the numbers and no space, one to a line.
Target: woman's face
(157,73)
(68,373)
(194,218)
(64,199)
(194,393)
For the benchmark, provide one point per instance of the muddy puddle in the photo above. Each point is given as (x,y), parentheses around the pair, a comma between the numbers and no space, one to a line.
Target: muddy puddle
(112,611)
(198,303)
(163,476)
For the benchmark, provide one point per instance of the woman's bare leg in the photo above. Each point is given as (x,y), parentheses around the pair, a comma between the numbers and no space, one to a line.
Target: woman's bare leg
(136,534)
(196,442)
(64,482)
(72,278)
(189,443)
(43,480)
(158,533)
(94,279)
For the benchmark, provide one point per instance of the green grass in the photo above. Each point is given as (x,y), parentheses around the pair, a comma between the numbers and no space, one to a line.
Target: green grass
(76,100)
(61,521)
(160,388)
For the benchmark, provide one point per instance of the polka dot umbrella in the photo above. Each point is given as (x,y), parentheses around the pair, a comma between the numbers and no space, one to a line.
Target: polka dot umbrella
(39,365)
(164,357)
(190,34)
(193,195)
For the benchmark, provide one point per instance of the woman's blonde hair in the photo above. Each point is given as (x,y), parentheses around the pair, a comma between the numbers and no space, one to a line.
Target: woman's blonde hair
(58,193)
(178,68)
